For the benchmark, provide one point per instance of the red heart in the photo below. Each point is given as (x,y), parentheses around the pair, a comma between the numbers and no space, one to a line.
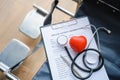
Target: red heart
(78,43)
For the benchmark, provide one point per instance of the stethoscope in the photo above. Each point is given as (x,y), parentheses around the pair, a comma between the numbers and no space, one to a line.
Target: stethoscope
(62,40)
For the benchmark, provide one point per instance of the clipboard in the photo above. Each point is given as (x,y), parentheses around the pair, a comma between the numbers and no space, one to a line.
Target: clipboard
(58,68)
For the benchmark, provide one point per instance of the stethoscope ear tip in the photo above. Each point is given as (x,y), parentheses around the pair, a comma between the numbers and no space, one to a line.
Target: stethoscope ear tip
(109,32)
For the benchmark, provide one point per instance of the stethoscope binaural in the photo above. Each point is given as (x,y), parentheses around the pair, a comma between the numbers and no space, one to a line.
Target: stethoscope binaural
(62,40)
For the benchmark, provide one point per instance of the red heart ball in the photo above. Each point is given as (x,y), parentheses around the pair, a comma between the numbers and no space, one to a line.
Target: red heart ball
(78,43)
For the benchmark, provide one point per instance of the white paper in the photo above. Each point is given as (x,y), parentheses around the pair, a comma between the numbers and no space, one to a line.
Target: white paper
(59,69)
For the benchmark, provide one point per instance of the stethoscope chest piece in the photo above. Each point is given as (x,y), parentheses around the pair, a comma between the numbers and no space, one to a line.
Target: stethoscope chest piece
(92,59)
(62,40)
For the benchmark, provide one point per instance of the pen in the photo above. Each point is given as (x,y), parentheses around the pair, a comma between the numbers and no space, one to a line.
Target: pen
(68,63)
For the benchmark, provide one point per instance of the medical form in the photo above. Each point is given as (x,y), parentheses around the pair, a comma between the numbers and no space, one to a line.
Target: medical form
(58,68)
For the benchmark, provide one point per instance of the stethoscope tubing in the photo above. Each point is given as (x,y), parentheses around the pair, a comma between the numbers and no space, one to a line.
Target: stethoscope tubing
(88,70)
(101,59)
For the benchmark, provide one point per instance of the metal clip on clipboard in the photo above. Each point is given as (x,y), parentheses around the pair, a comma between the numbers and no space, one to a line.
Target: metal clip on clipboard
(39,17)
(12,56)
